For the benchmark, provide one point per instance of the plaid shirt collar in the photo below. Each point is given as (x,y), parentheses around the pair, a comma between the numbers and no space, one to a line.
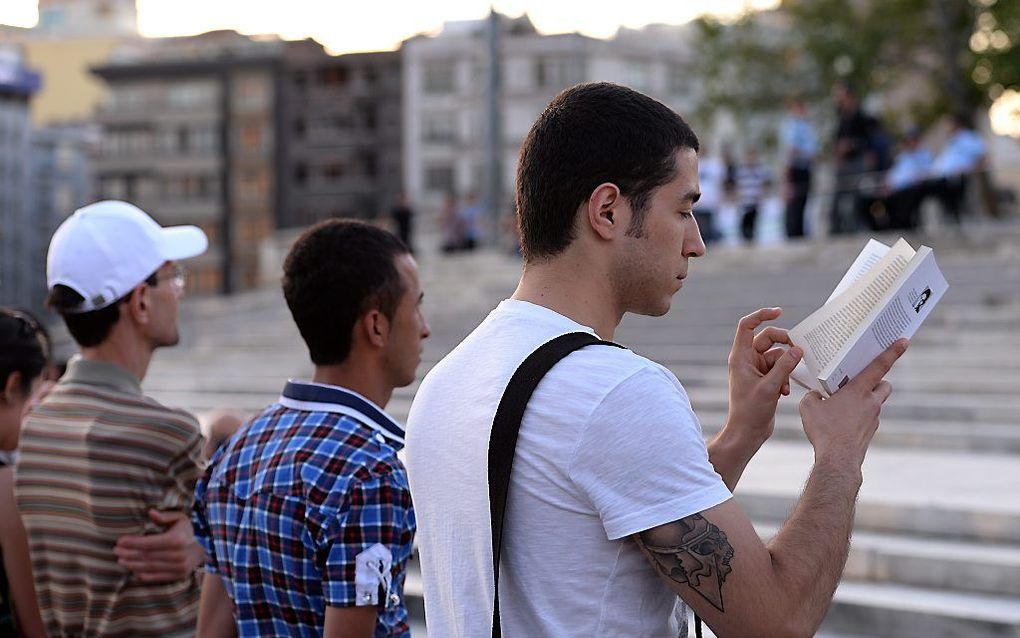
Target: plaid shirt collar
(319,397)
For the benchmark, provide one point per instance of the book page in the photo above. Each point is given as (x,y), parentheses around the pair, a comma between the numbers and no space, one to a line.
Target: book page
(826,332)
(870,255)
(921,288)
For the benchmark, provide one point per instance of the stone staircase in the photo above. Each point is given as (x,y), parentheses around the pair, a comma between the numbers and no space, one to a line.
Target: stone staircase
(936,549)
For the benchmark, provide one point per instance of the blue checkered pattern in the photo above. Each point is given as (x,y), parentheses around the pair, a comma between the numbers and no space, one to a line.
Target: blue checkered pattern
(289,503)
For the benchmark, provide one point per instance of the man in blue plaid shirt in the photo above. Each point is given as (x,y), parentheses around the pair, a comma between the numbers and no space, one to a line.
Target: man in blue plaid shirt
(305,513)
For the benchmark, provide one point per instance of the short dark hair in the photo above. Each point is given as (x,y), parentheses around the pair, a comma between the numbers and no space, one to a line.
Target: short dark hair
(588,135)
(335,272)
(88,328)
(24,347)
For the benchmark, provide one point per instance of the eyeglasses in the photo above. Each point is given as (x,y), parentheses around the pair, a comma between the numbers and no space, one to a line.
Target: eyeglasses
(178,278)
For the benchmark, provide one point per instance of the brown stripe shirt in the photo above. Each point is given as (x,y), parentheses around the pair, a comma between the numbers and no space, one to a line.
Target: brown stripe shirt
(95,456)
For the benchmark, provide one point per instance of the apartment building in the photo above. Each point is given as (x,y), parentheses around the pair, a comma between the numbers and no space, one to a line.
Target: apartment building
(17,223)
(445,94)
(189,134)
(340,134)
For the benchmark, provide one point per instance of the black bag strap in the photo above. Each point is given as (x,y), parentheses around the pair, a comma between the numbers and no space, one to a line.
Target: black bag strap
(506,425)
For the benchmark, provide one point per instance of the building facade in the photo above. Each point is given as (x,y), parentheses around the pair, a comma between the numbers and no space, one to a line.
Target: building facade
(446,109)
(189,135)
(17,221)
(340,135)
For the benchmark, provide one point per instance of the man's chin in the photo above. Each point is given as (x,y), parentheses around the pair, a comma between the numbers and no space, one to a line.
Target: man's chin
(654,310)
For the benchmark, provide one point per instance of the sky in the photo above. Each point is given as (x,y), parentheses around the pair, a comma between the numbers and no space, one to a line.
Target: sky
(349,25)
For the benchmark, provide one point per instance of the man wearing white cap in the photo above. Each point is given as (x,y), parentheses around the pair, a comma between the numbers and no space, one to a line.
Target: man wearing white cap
(100,460)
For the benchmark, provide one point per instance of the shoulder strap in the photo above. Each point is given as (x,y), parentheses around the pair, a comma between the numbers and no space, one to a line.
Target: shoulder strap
(506,425)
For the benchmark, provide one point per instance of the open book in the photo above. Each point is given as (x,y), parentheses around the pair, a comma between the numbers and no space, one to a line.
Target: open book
(886,295)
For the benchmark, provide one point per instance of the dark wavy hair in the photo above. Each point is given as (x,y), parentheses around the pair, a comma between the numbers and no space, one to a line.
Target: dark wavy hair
(335,272)
(24,346)
(591,134)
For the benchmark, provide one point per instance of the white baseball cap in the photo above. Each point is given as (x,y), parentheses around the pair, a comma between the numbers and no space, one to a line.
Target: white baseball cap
(105,249)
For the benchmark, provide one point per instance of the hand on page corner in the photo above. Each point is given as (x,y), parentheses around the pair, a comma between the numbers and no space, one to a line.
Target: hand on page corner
(759,373)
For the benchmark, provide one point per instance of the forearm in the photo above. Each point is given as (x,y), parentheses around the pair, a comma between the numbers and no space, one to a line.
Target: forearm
(810,551)
(216,610)
(730,452)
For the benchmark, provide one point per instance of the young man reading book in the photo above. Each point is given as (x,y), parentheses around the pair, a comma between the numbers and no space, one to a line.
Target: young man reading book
(615,504)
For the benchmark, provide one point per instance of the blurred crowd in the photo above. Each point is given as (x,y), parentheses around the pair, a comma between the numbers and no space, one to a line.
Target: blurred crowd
(880,180)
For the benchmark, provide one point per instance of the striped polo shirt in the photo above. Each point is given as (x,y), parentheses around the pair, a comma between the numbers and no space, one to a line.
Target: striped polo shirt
(95,456)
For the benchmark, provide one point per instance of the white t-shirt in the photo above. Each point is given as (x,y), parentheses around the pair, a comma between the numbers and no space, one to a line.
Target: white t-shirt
(608,447)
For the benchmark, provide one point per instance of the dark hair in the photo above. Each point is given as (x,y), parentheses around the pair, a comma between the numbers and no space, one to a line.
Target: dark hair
(335,272)
(24,346)
(588,135)
(87,328)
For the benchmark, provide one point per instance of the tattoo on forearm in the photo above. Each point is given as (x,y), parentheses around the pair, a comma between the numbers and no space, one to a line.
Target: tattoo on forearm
(691,551)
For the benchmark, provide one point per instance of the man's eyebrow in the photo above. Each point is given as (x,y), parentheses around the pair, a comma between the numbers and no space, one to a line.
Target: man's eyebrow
(692,196)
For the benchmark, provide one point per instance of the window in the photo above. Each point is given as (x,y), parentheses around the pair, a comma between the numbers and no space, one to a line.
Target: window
(557,71)
(191,94)
(252,137)
(439,77)
(253,184)
(439,128)
(439,179)
(333,171)
(252,91)
(369,164)
(333,76)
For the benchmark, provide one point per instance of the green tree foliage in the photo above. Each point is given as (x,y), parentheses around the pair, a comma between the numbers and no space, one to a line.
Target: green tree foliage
(964,52)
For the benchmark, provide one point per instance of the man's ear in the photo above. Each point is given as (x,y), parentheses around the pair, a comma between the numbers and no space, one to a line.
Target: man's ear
(602,211)
(139,304)
(12,389)
(375,327)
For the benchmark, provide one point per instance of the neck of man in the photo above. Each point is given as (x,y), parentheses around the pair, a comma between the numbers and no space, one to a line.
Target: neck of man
(575,288)
(126,350)
(359,376)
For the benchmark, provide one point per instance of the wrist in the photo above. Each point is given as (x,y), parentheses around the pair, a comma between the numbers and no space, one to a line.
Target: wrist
(740,431)
(846,465)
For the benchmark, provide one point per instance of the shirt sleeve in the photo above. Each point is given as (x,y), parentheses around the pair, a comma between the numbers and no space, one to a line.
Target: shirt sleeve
(189,464)
(199,520)
(368,542)
(642,460)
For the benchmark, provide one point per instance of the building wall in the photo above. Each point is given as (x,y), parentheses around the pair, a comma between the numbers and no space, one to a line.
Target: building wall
(69,92)
(445,95)
(189,135)
(17,84)
(61,182)
(62,18)
(341,135)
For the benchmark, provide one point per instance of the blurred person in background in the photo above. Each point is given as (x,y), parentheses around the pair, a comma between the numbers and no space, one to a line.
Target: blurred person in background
(961,157)
(712,175)
(905,182)
(799,147)
(753,182)
(853,157)
(403,218)
(105,475)
(24,350)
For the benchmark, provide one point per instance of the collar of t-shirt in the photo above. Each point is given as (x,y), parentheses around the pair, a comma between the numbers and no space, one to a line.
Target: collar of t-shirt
(101,373)
(538,313)
(321,397)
